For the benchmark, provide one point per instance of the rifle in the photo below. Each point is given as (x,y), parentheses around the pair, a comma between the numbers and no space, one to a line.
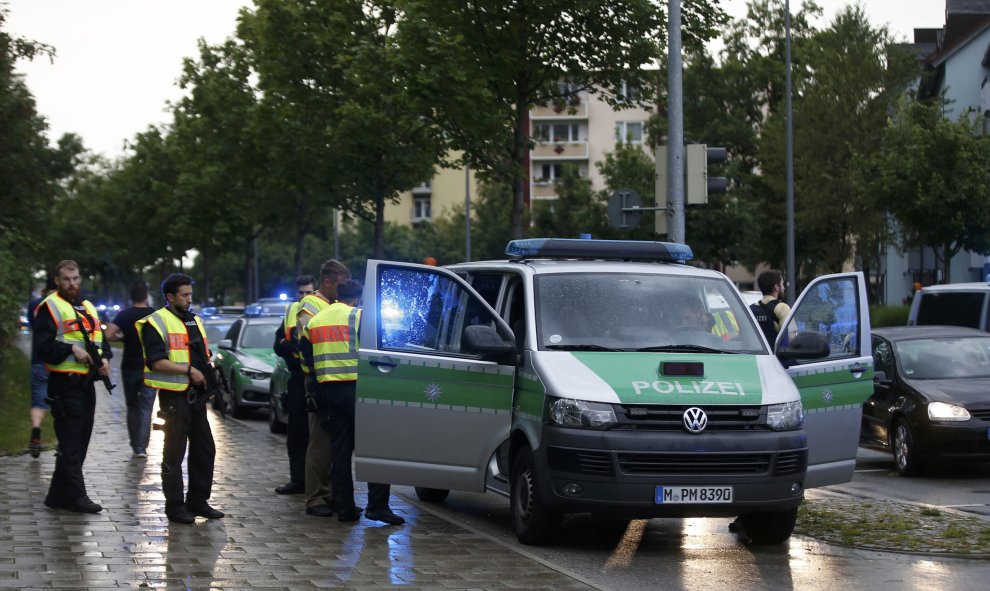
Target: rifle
(216,385)
(95,358)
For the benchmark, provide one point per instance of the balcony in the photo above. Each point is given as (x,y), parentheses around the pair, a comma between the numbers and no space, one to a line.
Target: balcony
(561,111)
(559,151)
(544,191)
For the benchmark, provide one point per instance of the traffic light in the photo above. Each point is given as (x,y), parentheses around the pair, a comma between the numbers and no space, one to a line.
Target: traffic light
(698,185)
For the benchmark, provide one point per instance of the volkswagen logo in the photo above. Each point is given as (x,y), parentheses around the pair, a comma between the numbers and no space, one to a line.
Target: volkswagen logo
(695,420)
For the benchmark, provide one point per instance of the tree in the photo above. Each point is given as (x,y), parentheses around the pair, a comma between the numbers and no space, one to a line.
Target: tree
(934,176)
(485,63)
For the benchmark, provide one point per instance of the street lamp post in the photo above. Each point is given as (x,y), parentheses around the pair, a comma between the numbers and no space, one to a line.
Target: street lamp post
(791,285)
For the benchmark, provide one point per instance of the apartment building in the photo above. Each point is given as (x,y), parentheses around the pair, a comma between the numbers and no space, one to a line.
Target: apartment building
(579,131)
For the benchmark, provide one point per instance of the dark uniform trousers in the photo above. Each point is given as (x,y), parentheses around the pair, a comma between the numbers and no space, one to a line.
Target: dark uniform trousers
(297,429)
(73,409)
(186,422)
(340,398)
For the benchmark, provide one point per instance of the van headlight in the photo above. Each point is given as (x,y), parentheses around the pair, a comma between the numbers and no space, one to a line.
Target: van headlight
(579,414)
(785,417)
(943,411)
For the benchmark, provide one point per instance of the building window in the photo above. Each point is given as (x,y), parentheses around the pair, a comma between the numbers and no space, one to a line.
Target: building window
(550,172)
(630,132)
(556,132)
(421,209)
(631,92)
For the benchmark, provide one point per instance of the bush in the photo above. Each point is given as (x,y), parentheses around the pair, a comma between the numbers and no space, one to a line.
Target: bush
(889,316)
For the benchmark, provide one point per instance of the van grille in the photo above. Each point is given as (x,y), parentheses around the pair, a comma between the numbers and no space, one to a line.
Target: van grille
(792,462)
(694,463)
(983,414)
(671,417)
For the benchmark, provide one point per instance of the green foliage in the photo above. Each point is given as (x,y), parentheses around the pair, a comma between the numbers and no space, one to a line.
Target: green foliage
(889,316)
(15,400)
(933,175)
(504,58)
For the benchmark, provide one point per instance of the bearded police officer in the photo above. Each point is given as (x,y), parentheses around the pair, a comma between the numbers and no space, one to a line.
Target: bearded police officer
(59,340)
(177,356)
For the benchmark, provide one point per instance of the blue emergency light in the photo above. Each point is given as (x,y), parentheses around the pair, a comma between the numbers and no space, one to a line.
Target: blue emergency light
(571,248)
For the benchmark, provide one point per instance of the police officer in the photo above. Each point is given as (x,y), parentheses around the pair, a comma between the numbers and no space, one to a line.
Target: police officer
(59,341)
(177,357)
(333,355)
(294,401)
(319,501)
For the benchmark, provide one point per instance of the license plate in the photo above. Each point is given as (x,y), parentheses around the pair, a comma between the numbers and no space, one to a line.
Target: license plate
(670,495)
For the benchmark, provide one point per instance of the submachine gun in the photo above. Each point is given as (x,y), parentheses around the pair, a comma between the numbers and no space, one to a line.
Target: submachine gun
(95,357)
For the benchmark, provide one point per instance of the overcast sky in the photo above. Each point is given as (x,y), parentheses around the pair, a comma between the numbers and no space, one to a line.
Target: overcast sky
(117,60)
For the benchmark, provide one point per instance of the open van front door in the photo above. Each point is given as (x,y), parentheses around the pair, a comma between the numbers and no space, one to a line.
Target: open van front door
(833,388)
(435,380)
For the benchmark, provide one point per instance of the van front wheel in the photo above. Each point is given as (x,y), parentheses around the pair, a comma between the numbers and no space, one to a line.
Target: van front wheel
(769,527)
(533,523)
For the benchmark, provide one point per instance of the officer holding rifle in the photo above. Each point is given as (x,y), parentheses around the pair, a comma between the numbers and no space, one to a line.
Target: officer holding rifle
(176,355)
(68,338)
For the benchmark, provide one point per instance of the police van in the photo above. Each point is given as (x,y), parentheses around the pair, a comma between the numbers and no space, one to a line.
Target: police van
(607,377)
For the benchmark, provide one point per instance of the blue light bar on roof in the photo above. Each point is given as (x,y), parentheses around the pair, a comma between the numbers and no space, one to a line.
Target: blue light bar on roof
(570,248)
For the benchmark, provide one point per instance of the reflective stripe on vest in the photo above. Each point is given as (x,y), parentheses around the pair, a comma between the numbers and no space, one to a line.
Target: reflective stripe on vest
(312,304)
(289,322)
(67,331)
(334,334)
(176,337)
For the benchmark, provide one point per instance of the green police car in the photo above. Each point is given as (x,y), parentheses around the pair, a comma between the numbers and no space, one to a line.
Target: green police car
(246,358)
(607,377)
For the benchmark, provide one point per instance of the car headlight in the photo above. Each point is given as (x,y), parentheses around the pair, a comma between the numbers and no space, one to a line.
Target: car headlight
(254,374)
(578,414)
(943,411)
(785,417)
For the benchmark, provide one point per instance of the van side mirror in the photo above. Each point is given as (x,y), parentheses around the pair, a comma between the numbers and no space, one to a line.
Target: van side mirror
(225,344)
(485,339)
(805,345)
(880,377)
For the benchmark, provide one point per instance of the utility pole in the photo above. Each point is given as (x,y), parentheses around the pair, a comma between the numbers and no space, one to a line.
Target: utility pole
(791,279)
(675,125)
(467,213)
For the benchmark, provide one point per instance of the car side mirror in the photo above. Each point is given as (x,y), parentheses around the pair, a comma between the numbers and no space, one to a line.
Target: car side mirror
(484,339)
(805,345)
(225,344)
(880,377)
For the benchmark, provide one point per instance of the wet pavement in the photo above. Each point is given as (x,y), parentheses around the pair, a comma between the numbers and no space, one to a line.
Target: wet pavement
(265,542)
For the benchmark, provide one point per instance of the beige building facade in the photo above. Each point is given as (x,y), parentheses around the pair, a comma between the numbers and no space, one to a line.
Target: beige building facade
(578,132)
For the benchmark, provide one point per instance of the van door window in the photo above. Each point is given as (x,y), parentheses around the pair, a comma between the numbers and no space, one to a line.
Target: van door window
(422,312)
(831,309)
(952,308)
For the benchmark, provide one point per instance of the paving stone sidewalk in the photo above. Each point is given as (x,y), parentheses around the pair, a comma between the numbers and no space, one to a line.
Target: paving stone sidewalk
(265,542)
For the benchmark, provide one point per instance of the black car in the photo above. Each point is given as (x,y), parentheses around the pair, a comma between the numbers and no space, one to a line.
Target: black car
(931,396)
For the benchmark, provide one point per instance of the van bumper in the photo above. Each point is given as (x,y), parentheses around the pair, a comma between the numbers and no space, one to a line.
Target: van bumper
(618,472)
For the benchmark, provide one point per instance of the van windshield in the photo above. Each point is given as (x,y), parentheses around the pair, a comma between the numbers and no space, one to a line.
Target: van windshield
(638,312)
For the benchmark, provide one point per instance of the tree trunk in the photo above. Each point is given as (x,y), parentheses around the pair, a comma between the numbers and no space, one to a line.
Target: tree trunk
(207,292)
(301,225)
(248,269)
(379,218)
(520,150)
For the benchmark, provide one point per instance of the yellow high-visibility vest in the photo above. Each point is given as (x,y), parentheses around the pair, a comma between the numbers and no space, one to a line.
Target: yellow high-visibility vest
(289,322)
(334,334)
(173,331)
(67,331)
(312,304)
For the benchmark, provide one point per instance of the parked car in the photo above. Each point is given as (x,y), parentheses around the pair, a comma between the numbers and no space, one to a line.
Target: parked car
(931,398)
(278,419)
(246,358)
(222,311)
(216,328)
(267,307)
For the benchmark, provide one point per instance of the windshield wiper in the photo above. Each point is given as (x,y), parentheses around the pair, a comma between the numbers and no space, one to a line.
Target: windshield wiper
(685,348)
(580,348)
